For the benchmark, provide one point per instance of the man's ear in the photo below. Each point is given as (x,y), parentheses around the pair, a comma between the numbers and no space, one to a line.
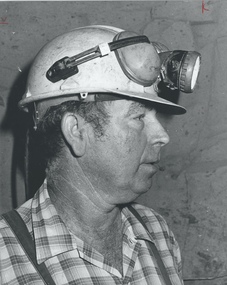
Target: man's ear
(72,126)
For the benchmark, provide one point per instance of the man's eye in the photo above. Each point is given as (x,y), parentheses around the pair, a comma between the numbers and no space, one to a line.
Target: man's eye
(140,117)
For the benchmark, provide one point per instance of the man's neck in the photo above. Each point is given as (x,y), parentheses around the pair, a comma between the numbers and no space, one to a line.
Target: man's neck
(100,227)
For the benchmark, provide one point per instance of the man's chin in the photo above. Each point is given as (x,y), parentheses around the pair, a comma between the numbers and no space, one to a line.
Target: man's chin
(145,188)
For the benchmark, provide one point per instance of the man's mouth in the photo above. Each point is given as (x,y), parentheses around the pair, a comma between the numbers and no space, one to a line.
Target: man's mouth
(156,165)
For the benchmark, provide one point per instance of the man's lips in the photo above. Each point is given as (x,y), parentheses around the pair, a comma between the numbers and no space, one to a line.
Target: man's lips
(155,164)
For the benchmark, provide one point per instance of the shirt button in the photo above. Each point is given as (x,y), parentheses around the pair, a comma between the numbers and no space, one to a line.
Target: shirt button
(131,242)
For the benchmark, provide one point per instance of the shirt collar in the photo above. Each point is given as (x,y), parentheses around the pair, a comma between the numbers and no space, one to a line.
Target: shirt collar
(135,227)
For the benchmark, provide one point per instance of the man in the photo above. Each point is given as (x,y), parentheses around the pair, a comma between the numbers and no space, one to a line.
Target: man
(93,94)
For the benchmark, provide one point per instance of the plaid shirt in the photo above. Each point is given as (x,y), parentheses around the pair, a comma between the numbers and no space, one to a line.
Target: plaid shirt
(72,261)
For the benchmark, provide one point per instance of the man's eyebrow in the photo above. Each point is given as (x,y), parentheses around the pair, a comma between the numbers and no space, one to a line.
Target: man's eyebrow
(136,107)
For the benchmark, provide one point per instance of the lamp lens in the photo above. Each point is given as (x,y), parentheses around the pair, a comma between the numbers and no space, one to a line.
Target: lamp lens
(195,72)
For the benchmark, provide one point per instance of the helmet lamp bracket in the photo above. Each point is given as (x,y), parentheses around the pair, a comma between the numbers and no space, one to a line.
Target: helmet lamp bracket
(61,70)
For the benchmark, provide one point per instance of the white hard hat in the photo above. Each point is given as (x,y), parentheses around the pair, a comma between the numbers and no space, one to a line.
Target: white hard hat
(95,60)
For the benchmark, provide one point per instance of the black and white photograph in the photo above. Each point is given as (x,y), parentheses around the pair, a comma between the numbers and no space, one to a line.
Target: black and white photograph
(113,142)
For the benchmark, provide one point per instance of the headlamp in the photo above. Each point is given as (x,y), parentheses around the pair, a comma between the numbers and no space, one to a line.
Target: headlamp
(142,62)
(180,69)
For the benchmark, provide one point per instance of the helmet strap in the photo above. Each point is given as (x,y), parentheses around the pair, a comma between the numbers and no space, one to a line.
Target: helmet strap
(35,116)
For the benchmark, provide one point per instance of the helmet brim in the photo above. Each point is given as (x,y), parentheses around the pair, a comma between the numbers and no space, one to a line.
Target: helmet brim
(161,104)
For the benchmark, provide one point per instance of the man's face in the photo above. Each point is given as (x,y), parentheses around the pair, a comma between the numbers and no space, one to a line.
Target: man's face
(121,163)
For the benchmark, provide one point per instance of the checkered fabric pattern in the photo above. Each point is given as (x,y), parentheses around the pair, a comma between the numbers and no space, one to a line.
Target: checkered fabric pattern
(72,261)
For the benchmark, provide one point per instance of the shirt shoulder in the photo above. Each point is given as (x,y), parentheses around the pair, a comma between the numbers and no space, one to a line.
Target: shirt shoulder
(3,225)
(25,213)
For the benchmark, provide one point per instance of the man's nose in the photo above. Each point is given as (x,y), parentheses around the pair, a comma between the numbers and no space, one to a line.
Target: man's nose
(159,134)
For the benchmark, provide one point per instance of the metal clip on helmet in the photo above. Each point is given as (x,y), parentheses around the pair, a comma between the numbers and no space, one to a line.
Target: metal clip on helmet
(104,63)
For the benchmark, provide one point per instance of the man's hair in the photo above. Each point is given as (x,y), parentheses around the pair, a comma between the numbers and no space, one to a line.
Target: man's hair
(48,137)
